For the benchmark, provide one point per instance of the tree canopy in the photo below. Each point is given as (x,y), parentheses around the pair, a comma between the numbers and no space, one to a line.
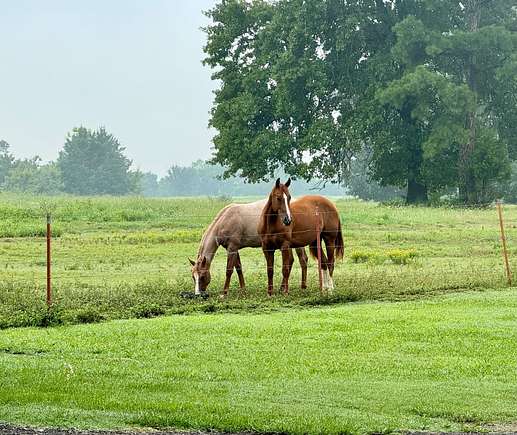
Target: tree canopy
(92,162)
(427,87)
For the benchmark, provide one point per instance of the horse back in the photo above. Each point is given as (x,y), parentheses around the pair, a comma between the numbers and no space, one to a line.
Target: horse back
(237,225)
(306,209)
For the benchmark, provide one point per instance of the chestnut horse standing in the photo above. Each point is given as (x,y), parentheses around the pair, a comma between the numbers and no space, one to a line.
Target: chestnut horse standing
(284,225)
(234,228)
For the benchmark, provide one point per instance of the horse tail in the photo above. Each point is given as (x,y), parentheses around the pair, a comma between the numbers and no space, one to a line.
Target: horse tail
(340,246)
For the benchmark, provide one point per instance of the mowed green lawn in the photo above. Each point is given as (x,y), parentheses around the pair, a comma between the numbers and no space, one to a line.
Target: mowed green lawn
(448,363)
(127,257)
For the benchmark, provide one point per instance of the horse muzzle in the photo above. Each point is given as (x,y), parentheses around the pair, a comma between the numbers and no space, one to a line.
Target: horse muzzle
(287,221)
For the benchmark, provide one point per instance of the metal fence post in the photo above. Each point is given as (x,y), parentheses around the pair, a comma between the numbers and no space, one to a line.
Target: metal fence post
(49,260)
(318,245)
(503,240)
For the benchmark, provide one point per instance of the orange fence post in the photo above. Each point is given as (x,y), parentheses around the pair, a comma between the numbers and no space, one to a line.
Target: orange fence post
(503,240)
(49,264)
(318,243)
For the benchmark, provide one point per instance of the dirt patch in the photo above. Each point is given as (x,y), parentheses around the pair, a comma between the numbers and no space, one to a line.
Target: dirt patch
(490,430)
(503,429)
(16,430)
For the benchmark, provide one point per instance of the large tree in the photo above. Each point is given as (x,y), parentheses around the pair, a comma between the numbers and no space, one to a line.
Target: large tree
(92,162)
(307,84)
(463,92)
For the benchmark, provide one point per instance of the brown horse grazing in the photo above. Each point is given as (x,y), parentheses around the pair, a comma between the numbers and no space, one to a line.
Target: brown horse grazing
(285,225)
(234,227)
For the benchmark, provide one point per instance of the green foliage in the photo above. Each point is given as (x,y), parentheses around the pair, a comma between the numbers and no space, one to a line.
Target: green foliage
(202,179)
(30,176)
(361,256)
(361,184)
(93,163)
(396,256)
(507,189)
(429,87)
(148,310)
(88,315)
(6,161)
(401,256)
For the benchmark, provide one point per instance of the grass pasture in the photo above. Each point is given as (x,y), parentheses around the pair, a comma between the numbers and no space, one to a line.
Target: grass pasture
(446,363)
(429,343)
(127,257)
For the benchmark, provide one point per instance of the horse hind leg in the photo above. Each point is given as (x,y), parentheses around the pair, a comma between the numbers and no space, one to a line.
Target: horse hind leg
(331,259)
(303,258)
(238,268)
(326,279)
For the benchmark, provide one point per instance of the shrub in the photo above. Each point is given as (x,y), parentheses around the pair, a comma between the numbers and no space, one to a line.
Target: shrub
(89,315)
(46,317)
(148,310)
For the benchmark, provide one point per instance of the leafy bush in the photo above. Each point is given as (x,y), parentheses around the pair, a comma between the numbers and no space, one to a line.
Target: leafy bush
(148,310)
(88,315)
(47,317)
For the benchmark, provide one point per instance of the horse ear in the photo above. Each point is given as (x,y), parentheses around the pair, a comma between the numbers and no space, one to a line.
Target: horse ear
(277,184)
(288,182)
(192,262)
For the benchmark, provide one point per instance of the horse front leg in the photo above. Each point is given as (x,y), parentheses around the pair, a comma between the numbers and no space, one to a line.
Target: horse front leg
(230,264)
(287,264)
(270,260)
(303,258)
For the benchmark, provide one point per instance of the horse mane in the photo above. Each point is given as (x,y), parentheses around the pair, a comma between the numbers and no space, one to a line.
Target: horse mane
(211,228)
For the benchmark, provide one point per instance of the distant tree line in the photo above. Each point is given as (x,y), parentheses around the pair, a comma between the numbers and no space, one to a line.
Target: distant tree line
(427,90)
(92,162)
(202,178)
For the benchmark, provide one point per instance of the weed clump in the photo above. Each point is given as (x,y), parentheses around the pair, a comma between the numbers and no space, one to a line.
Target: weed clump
(146,311)
(401,256)
(361,256)
(396,256)
(89,315)
(46,317)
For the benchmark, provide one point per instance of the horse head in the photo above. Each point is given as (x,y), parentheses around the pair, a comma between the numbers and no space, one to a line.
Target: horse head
(200,275)
(280,200)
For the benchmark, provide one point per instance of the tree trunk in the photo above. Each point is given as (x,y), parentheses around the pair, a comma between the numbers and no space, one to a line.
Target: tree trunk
(416,192)
(468,193)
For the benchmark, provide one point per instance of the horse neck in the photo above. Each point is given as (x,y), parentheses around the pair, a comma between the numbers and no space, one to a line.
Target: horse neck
(269,217)
(208,246)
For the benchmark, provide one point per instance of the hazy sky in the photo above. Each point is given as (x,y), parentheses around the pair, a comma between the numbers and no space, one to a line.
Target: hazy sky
(133,66)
